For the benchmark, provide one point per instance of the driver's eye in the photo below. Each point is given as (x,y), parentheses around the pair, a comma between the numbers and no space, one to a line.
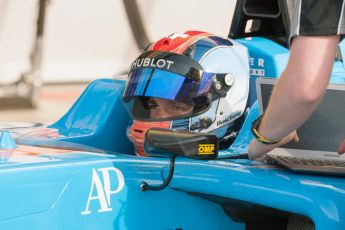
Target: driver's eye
(153,105)
(175,107)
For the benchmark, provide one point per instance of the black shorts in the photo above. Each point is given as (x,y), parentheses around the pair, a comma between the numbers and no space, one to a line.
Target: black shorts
(317,18)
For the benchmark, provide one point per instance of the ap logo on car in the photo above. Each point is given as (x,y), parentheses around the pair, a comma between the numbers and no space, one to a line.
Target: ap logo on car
(101,192)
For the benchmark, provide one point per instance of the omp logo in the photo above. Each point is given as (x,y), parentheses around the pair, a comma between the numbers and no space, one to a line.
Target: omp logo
(206,149)
(102,192)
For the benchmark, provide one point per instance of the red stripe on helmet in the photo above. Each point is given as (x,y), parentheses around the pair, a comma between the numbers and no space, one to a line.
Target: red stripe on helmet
(178,42)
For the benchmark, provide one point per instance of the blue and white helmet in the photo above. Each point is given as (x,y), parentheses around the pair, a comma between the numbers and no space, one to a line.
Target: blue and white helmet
(200,69)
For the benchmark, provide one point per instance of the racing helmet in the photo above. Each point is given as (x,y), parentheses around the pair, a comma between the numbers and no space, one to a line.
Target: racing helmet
(201,80)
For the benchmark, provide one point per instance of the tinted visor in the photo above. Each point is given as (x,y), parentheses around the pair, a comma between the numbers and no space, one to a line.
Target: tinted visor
(167,76)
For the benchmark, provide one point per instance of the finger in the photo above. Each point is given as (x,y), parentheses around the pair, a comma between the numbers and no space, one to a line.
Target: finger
(261,158)
(255,150)
(256,156)
(341,149)
(253,156)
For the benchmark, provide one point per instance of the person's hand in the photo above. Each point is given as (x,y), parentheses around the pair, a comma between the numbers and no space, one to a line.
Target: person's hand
(341,149)
(258,150)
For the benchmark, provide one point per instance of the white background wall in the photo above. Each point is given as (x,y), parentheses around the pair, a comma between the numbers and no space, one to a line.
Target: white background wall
(89,39)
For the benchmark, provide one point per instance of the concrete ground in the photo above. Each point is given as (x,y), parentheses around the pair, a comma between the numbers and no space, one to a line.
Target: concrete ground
(53,102)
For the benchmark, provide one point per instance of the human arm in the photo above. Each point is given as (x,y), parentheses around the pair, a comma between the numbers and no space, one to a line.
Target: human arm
(298,91)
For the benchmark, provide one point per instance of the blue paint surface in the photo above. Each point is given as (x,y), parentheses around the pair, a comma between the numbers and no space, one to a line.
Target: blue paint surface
(6,141)
(96,185)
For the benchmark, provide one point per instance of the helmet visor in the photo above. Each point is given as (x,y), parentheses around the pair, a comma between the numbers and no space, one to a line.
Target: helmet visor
(149,82)
(159,94)
(173,80)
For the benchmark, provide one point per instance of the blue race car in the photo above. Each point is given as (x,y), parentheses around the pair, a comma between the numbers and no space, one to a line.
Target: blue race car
(81,172)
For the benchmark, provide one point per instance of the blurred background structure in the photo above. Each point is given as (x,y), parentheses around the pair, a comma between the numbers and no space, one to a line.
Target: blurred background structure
(85,40)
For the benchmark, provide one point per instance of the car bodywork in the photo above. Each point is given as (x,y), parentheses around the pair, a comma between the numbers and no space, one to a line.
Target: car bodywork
(81,173)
